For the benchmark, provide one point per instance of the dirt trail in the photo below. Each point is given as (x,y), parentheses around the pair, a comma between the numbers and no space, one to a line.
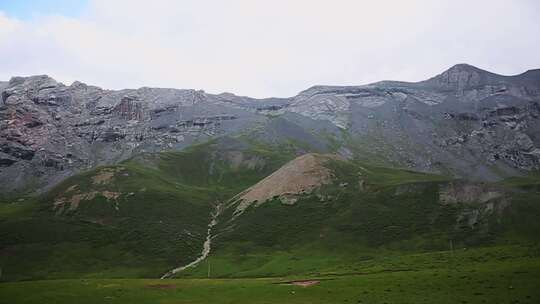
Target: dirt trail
(207,246)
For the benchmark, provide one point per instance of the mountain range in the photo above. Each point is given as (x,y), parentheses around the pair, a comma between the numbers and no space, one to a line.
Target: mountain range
(464,122)
(336,181)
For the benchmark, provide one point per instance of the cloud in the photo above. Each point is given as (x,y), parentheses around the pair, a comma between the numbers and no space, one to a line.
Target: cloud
(269,48)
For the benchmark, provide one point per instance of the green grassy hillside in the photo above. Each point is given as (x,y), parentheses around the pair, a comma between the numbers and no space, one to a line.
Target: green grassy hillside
(368,212)
(136,219)
(149,214)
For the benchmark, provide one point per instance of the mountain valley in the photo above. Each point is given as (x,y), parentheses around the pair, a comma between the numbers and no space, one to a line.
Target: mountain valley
(392,181)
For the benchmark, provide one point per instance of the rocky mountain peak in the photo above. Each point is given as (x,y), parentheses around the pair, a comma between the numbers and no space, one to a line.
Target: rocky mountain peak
(461,77)
(40,81)
(34,88)
(465,67)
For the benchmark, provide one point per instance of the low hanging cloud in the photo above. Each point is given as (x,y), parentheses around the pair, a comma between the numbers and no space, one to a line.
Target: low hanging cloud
(269,48)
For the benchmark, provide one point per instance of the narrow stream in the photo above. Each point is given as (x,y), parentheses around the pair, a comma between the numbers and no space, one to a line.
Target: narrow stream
(206,246)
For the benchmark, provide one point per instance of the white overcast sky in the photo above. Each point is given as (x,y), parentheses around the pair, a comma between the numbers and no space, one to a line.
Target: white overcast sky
(266,48)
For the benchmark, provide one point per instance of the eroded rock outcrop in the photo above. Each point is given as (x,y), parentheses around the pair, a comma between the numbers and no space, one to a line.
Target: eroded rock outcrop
(300,176)
(478,201)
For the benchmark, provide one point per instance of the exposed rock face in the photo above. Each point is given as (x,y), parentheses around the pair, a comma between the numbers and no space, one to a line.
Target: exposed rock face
(466,122)
(299,176)
(480,201)
(49,131)
(468,193)
(70,199)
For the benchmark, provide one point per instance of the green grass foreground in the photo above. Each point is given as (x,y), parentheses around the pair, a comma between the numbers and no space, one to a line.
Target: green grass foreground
(503,274)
